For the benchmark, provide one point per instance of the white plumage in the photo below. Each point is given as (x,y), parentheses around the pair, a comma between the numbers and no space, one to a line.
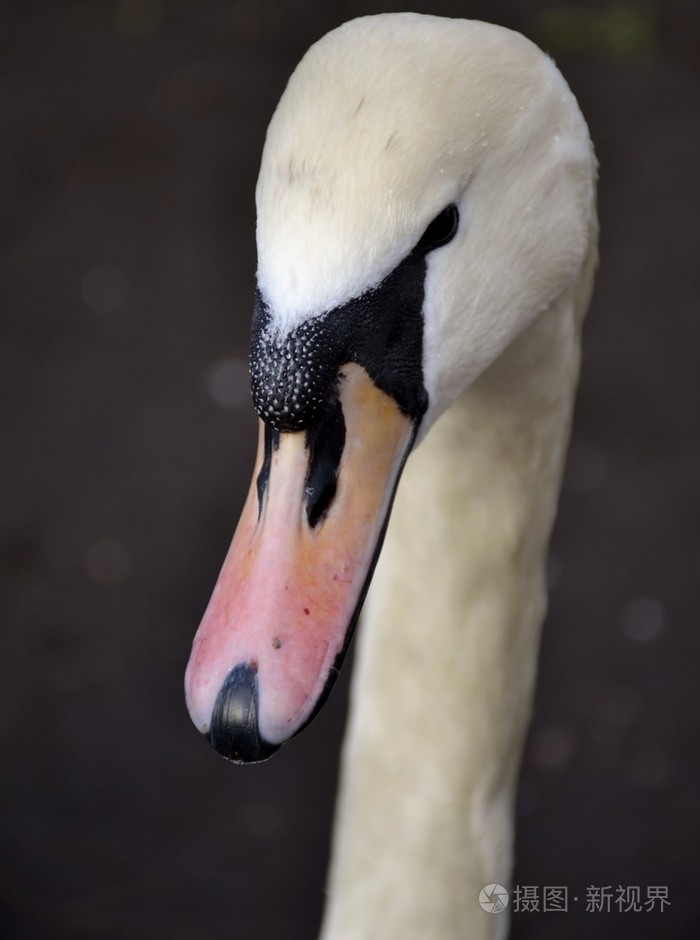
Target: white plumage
(387,120)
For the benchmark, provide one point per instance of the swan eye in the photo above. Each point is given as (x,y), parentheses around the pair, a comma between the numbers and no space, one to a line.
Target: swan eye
(441,230)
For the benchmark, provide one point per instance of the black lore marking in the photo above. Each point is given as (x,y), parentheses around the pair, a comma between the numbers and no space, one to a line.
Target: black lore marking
(325,441)
(293,377)
(290,376)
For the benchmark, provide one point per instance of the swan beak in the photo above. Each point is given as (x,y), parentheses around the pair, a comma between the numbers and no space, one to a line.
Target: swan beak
(293,582)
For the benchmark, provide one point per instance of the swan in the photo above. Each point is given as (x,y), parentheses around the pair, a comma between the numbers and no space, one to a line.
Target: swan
(427,240)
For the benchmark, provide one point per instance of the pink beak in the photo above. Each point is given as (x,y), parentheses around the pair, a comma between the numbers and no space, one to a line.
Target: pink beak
(293,582)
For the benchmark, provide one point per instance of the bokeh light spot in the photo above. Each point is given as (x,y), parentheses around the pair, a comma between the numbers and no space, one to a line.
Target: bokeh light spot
(108,561)
(105,289)
(642,619)
(228,383)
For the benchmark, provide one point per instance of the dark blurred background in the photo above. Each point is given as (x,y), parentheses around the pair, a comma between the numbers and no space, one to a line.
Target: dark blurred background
(132,132)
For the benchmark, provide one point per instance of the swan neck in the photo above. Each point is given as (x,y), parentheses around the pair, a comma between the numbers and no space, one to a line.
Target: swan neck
(447,655)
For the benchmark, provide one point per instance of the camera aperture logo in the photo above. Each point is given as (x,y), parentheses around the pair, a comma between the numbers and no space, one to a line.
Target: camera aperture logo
(493,898)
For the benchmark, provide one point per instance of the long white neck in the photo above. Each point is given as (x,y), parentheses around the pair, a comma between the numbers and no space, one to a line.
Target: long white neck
(447,658)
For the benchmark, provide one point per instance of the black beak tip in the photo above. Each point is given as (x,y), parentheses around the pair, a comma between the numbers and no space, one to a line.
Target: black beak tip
(234,722)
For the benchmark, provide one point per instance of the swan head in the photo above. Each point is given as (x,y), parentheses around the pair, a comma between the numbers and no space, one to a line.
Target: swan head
(359,162)
(415,214)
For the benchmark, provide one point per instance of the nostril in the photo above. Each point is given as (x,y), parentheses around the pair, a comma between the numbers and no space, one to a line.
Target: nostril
(271,442)
(234,729)
(319,497)
(325,440)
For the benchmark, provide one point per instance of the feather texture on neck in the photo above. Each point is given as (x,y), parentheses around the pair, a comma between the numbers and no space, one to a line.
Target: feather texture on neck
(447,655)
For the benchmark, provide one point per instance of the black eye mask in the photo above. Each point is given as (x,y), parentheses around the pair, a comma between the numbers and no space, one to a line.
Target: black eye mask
(293,377)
